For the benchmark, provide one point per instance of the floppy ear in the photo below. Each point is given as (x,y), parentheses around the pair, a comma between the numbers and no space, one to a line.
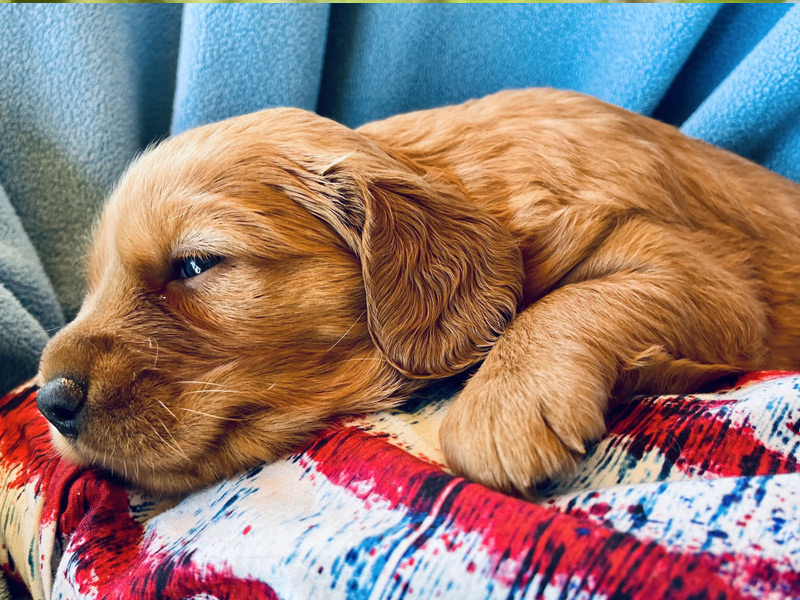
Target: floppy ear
(442,278)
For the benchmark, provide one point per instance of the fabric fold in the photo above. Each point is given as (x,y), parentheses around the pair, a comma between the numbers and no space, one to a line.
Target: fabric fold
(236,59)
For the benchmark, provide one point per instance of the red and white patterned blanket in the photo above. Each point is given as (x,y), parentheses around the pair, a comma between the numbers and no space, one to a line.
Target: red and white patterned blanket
(686,497)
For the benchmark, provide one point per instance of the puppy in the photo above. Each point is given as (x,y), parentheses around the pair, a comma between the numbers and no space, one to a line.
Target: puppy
(252,279)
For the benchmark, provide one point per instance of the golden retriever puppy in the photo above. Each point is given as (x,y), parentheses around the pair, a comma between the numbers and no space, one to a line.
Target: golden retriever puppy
(252,279)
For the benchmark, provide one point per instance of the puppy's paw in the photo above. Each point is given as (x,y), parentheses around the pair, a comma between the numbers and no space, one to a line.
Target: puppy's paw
(508,431)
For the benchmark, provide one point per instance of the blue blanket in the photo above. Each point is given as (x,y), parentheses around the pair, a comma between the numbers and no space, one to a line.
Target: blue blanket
(84,87)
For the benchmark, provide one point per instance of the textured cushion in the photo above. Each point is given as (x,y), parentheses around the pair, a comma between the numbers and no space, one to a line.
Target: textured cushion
(686,497)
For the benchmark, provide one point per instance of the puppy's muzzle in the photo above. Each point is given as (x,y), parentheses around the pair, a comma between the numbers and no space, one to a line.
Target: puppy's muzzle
(61,401)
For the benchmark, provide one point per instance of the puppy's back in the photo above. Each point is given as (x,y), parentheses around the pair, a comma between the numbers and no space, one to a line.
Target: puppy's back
(561,169)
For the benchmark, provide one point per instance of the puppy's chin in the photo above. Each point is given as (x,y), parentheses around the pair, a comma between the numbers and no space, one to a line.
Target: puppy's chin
(65,448)
(168,482)
(170,479)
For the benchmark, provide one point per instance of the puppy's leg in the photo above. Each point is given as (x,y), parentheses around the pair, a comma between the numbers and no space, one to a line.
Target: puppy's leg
(648,311)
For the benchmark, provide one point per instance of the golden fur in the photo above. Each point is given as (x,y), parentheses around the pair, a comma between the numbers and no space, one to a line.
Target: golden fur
(580,251)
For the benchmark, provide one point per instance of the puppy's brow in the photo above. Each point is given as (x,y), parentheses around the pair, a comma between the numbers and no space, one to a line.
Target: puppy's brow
(206,242)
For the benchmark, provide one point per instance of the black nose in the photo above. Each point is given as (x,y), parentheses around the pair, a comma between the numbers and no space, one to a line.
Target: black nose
(61,402)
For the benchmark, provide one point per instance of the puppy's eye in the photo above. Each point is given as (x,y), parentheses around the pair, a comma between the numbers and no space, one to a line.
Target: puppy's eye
(191,266)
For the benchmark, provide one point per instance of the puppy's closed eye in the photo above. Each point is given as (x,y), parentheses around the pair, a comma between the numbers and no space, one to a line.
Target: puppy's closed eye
(193,265)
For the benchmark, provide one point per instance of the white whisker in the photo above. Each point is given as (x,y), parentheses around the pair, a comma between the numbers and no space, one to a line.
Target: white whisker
(166,408)
(208,415)
(200,382)
(163,439)
(177,445)
(158,435)
(345,333)
(151,340)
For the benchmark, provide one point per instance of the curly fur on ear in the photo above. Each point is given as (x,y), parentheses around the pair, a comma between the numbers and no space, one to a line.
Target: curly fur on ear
(442,279)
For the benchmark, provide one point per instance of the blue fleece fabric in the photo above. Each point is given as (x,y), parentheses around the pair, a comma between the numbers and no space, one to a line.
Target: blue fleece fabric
(85,87)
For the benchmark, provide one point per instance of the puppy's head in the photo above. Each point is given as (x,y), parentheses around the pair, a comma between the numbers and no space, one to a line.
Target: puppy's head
(249,280)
